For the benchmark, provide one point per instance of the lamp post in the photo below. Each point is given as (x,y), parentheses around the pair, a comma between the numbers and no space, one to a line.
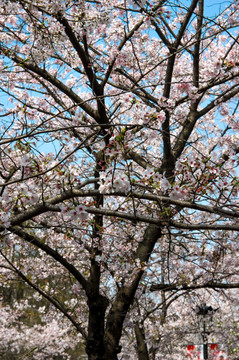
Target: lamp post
(205,312)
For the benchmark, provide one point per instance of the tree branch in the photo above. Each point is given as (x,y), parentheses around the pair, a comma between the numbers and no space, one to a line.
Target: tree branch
(120,46)
(142,349)
(185,23)
(49,205)
(32,239)
(222,98)
(26,64)
(126,294)
(209,285)
(196,53)
(46,296)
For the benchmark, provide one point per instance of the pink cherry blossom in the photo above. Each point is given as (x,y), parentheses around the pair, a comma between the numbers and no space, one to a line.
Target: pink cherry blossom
(118,178)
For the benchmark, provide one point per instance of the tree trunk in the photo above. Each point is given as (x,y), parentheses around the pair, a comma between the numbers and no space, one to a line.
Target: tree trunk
(95,344)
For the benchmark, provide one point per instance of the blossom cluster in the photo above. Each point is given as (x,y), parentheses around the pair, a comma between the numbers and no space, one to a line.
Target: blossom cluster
(76,213)
(114,181)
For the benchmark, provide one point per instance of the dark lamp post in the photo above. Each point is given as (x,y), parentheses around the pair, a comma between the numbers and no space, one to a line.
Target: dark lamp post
(205,314)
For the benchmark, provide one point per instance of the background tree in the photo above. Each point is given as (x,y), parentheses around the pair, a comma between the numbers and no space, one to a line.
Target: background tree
(119,189)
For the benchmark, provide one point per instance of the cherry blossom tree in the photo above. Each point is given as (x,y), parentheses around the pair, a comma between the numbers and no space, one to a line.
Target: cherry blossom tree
(118,175)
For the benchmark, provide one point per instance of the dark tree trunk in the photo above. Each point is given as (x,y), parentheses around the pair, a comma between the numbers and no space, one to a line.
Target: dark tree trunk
(95,341)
